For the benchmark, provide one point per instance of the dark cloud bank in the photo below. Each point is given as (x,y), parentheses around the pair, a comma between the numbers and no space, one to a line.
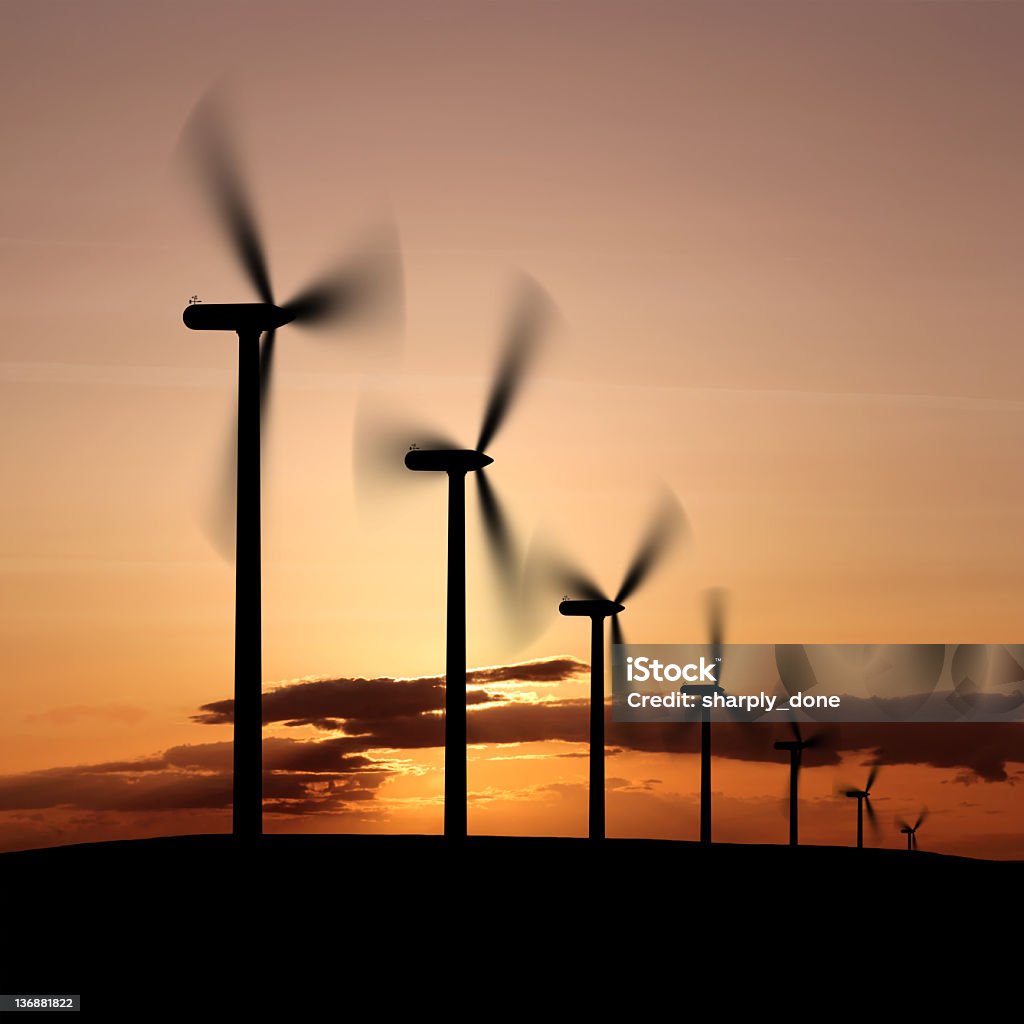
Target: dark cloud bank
(383,719)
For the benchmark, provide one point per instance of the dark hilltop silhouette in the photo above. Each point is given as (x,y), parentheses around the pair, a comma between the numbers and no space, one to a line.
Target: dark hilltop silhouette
(302,918)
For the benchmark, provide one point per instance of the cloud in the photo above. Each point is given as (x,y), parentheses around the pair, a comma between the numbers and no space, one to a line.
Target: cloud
(400,714)
(327,703)
(198,776)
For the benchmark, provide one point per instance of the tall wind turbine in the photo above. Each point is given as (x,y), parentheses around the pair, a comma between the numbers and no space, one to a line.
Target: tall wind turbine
(531,314)
(863,798)
(597,607)
(910,831)
(368,283)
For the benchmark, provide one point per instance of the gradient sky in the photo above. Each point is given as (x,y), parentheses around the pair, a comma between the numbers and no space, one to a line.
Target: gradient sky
(785,243)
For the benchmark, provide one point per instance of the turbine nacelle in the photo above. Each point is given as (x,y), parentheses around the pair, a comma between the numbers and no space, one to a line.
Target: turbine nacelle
(239,317)
(591,609)
(790,744)
(446,460)
(860,794)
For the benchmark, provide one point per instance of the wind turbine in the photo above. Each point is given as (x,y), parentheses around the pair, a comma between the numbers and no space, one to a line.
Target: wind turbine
(716,615)
(910,831)
(597,607)
(796,747)
(863,798)
(365,285)
(530,316)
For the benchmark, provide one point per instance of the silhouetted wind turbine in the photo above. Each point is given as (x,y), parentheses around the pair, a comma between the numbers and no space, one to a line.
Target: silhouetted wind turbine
(796,747)
(597,607)
(367,284)
(910,831)
(529,318)
(716,616)
(863,798)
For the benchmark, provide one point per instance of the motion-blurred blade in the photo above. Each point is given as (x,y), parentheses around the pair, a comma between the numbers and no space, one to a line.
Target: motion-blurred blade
(576,583)
(496,529)
(794,728)
(913,841)
(530,315)
(617,636)
(715,603)
(872,775)
(220,514)
(871,814)
(207,138)
(380,442)
(668,524)
(266,371)
(901,824)
(550,574)
(921,818)
(364,287)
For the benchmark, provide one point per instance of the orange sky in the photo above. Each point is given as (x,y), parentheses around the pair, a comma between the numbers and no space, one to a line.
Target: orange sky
(785,243)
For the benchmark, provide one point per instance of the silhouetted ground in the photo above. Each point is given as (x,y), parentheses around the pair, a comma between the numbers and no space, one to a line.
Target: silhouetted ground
(200,921)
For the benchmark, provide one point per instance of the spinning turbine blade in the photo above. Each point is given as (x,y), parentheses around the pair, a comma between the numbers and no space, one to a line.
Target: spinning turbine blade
(219,520)
(532,311)
(496,529)
(872,775)
(716,623)
(366,286)
(920,819)
(668,523)
(574,581)
(218,166)
(618,637)
(266,370)
(380,443)
(871,814)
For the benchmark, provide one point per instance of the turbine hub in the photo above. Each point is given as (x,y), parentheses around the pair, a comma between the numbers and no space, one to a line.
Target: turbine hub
(591,609)
(446,460)
(239,317)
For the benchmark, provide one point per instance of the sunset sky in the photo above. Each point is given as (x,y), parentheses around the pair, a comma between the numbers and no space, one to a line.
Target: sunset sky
(784,240)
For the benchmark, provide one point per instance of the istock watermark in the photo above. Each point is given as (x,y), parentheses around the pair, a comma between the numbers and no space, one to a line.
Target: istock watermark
(827,682)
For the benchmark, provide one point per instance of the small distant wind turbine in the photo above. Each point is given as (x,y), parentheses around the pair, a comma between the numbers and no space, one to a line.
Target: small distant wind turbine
(910,831)
(863,798)
(597,607)
(365,285)
(796,747)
